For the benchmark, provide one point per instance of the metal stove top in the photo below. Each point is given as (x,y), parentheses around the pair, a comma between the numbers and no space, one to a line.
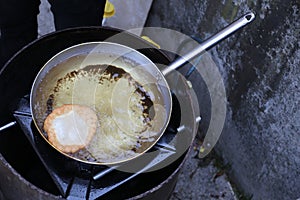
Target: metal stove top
(77,179)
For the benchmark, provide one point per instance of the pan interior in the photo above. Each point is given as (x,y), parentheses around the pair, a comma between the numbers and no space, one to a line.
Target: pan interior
(128,93)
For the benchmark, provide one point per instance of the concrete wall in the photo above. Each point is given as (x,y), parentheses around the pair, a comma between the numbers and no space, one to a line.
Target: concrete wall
(261,70)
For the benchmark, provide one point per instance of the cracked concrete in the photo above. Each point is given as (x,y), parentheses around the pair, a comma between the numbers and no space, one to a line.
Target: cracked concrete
(201,179)
(260,68)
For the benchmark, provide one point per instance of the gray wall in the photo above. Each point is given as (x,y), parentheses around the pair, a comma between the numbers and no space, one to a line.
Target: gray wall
(260,67)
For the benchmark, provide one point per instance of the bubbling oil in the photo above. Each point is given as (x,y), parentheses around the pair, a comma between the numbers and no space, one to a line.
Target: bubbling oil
(125,110)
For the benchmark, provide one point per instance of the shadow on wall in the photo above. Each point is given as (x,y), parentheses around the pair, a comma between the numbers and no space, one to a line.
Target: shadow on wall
(260,67)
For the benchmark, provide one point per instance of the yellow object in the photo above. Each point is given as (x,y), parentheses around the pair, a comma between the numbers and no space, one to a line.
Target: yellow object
(151,41)
(109,10)
(202,149)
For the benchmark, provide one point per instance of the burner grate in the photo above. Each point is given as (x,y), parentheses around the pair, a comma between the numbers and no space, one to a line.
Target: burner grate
(81,180)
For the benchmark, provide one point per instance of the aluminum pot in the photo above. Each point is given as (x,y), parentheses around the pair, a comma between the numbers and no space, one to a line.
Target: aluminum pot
(128,93)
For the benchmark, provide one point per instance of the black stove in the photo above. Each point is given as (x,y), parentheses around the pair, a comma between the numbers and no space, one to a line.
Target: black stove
(77,179)
(34,169)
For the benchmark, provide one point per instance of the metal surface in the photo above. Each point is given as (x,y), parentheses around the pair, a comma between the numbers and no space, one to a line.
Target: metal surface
(8,125)
(46,72)
(14,178)
(14,186)
(74,178)
(141,68)
(160,183)
(210,42)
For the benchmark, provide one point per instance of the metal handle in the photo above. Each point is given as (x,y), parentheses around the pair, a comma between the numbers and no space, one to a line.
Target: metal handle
(210,42)
(7,126)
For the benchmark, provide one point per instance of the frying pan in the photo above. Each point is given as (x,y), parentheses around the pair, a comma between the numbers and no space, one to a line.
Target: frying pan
(127,92)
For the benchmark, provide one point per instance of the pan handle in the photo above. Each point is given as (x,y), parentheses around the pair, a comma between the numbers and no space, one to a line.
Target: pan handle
(210,42)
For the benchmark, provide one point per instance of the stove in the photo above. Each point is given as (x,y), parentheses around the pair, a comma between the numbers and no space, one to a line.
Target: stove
(34,169)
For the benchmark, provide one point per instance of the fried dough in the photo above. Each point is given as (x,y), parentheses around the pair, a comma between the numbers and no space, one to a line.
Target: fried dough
(71,127)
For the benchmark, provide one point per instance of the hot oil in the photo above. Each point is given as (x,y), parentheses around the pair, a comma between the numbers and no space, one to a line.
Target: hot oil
(123,109)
